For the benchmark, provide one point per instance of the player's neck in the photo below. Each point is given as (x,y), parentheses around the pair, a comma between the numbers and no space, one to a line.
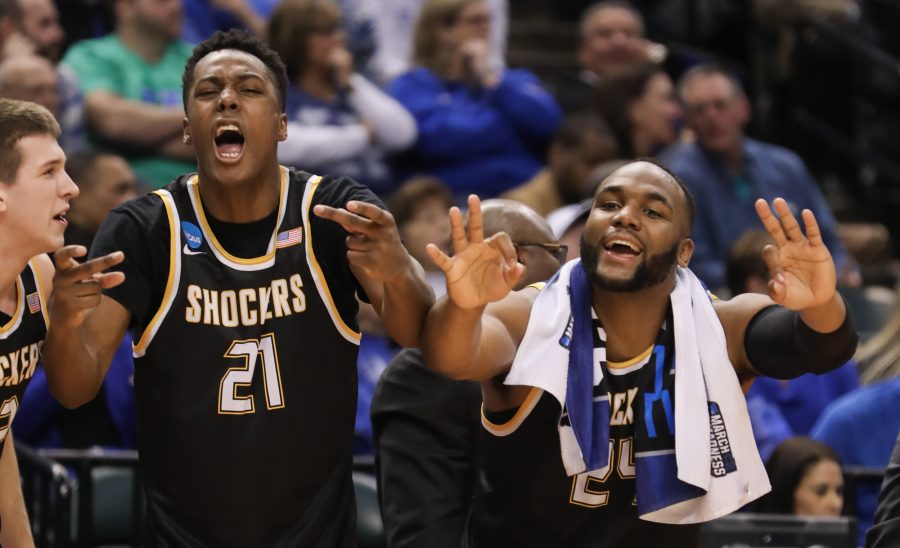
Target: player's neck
(631,320)
(12,263)
(242,202)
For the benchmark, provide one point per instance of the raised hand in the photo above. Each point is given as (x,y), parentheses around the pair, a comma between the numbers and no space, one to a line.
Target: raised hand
(77,287)
(481,270)
(802,271)
(373,244)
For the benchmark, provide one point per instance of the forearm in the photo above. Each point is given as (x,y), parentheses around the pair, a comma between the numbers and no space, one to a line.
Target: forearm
(451,338)
(405,303)
(132,122)
(15,530)
(74,369)
(176,149)
(784,344)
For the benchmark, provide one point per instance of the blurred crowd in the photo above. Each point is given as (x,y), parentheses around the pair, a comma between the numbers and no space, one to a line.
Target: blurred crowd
(742,99)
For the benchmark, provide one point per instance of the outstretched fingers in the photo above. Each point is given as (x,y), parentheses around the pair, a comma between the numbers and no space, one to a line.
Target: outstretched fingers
(350,221)
(771,223)
(788,221)
(476,220)
(438,257)
(813,233)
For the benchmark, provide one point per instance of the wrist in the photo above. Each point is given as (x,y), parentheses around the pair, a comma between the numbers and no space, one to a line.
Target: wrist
(826,317)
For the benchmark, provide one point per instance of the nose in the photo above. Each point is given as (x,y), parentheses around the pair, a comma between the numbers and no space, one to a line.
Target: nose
(69,188)
(228,101)
(627,217)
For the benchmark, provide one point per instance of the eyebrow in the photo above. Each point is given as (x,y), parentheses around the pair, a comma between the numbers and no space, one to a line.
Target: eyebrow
(213,79)
(619,190)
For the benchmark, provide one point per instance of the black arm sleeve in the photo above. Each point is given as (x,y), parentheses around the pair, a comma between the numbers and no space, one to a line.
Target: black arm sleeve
(781,346)
(425,428)
(886,530)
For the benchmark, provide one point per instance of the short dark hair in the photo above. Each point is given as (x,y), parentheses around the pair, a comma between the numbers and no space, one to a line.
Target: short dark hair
(240,40)
(405,201)
(708,69)
(786,466)
(20,119)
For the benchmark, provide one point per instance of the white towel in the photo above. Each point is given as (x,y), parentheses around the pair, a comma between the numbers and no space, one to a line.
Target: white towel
(702,367)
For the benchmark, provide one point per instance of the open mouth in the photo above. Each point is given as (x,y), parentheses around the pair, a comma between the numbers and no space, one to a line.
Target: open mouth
(61,218)
(621,249)
(229,142)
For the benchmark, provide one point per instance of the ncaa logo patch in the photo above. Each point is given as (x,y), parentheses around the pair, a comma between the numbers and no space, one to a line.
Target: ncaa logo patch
(720,455)
(192,234)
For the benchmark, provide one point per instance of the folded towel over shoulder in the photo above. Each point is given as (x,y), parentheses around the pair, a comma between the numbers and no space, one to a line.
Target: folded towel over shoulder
(714,467)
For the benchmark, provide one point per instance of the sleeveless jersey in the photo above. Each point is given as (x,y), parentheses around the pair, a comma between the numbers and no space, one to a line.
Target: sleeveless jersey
(245,381)
(21,339)
(524,497)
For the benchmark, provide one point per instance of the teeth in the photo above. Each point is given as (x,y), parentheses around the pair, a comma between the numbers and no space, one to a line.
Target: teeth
(227,127)
(230,154)
(623,242)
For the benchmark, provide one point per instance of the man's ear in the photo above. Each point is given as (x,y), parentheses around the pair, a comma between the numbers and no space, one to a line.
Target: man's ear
(685,251)
(4,202)
(282,127)
(185,131)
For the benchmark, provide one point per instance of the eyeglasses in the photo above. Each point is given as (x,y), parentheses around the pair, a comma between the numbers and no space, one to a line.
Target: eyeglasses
(559,251)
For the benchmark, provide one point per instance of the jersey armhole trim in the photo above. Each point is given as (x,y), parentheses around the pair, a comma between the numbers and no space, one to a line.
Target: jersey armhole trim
(318,276)
(140,347)
(510,426)
(9,327)
(42,293)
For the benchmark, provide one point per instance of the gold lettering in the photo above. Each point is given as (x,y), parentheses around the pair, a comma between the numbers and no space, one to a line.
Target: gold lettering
(265,294)
(14,367)
(229,308)
(192,313)
(299,300)
(248,315)
(210,307)
(618,415)
(280,298)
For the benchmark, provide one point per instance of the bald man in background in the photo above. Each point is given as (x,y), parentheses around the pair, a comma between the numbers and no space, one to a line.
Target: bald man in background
(426,426)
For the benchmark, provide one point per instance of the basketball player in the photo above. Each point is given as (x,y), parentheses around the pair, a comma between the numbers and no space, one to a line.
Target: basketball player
(34,197)
(636,234)
(240,290)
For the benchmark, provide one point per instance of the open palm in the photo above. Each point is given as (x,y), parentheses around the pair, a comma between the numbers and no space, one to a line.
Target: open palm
(802,270)
(481,270)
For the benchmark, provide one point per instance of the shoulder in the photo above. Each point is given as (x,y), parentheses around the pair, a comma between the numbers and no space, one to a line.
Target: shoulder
(106,47)
(180,48)
(414,79)
(337,191)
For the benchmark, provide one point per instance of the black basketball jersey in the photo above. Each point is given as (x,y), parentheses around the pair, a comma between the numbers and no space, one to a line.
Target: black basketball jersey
(524,497)
(21,339)
(245,380)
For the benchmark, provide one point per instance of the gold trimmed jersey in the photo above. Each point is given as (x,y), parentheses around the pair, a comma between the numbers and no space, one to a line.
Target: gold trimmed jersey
(245,370)
(524,497)
(21,338)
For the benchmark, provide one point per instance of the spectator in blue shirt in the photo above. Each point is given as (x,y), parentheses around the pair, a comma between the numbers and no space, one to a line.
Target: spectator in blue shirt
(482,130)
(728,169)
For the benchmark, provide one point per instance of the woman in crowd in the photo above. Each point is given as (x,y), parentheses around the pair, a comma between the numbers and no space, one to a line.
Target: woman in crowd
(338,122)
(806,480)
(482,129)
(639,104)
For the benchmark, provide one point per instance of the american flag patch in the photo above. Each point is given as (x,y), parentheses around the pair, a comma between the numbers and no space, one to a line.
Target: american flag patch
(34,302)
(289,238)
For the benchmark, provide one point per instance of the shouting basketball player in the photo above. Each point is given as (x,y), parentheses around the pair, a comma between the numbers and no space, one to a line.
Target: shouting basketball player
(625,424)
(240,286)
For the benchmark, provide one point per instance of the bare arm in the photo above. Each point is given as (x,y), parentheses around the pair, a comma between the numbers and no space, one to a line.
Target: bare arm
(176,149)
(393,280)
(131,122)
(85,326)
(474,332)
(15,530)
